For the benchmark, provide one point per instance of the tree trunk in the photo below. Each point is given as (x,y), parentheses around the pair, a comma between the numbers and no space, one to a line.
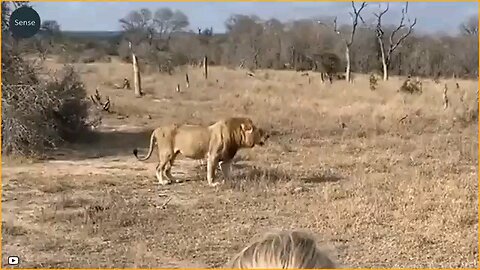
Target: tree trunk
(347,55)
(293,60)
(136,76)
(400,69)
(384,60)
(279,55)
(385,70)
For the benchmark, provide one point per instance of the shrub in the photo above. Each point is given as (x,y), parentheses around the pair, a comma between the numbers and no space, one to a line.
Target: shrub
(38,114)
(411,87)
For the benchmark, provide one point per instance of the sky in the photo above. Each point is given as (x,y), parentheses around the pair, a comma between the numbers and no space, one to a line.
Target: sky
(103,16)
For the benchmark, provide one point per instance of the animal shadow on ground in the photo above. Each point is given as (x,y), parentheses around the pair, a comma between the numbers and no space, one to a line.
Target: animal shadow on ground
(104,144)
(322,177)
(245,176)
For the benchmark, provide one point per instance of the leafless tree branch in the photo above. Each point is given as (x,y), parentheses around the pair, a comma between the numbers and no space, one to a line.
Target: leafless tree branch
(379,16)
(335,26)
(401,25)
(355,16)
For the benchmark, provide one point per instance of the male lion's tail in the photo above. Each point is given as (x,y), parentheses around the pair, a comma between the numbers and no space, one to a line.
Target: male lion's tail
(150,150)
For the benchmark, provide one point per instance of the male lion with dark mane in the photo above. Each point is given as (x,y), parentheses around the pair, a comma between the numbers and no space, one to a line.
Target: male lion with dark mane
(218,143)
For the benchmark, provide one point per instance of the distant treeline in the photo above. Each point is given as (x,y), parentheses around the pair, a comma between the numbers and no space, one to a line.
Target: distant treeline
(161,42)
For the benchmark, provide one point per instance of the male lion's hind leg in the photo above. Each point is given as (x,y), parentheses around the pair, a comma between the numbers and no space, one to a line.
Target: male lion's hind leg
(172,178)
(164,167)
(168,170)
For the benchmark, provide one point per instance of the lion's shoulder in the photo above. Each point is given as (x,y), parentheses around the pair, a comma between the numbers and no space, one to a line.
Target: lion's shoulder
(228,131)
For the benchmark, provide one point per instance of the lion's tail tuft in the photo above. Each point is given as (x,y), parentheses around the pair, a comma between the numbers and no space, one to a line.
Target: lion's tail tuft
(150,149)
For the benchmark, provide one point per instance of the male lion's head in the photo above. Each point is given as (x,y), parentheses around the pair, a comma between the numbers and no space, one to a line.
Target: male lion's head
(261,137)
(253,135)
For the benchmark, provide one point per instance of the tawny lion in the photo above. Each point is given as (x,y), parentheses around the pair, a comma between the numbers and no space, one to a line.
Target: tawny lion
(218,143)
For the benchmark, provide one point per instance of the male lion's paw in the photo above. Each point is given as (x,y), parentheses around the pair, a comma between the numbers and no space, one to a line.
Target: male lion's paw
(214,184)
(164,183)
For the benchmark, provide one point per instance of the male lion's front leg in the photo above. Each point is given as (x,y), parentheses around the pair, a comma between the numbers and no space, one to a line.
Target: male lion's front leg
(226,167)
(212,163)
(159,172)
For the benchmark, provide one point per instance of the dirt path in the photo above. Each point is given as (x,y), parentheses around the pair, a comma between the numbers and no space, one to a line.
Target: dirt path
(30,189)
(120,166)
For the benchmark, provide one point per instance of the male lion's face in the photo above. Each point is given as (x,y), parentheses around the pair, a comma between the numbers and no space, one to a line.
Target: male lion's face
(261,136)
(254,135)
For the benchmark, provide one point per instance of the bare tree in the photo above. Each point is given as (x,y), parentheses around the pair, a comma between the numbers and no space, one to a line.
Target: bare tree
(150,33)
(137,19)
(380,34)
(142,24)
(50,26)
(393,44)
(245,34)
(470,27)
(167,22)
(348,42)
(138,24)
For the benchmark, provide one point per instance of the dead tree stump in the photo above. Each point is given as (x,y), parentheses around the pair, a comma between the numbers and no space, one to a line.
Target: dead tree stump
(136,74)
(373,82)
(126,83)
(205,67)
(445,97)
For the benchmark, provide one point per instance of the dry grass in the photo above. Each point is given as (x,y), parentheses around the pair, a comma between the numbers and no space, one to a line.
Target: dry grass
(384,178)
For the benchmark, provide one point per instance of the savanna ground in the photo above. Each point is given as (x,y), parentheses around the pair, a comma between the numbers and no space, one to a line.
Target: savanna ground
(382,178)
